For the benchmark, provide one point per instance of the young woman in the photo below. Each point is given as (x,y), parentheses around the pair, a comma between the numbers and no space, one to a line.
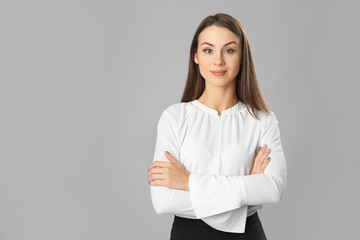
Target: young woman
(218,154)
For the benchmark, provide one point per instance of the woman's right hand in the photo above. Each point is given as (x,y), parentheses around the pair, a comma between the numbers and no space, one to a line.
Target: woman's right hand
(261,161)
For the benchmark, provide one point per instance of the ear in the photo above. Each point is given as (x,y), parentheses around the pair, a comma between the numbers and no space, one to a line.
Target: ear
(195,58)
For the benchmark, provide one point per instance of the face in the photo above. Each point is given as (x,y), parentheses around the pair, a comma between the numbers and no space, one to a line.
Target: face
(218,50)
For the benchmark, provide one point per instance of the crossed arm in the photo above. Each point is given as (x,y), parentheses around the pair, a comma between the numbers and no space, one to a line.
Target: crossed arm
(213,194)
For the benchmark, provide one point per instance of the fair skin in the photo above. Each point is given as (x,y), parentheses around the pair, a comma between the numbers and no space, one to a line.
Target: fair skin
(218,49)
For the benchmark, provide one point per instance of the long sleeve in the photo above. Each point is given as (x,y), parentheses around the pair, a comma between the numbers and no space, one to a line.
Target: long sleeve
(164,199)
(214,194)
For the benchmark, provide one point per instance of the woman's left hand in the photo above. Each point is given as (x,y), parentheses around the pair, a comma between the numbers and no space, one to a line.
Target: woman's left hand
(169,174)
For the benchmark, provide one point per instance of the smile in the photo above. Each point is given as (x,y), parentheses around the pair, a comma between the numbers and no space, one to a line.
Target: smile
(218,73)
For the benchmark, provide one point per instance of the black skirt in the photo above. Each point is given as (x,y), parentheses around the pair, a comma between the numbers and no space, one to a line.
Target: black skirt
(197,229)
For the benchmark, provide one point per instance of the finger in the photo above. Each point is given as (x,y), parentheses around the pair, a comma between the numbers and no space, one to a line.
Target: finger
(256,164)
(256,154)
(262,163)
(259,155)
(257,150)
(264,154)
(265,164)
(158,170)
(156,176)
(170,157)
(158,183)
(264,160)
(262,150)
(159,164)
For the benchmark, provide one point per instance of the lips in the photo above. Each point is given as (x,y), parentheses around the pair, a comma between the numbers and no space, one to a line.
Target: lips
(218,72)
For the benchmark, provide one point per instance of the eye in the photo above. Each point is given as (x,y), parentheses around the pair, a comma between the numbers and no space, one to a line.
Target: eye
(230,50)
(205,50)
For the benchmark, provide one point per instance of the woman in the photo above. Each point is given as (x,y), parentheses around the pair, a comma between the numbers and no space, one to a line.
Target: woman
(218,154)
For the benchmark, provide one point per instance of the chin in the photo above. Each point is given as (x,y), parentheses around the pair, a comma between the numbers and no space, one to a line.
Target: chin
(220,82)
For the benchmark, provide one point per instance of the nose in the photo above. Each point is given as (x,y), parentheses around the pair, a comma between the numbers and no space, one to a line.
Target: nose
(218,59)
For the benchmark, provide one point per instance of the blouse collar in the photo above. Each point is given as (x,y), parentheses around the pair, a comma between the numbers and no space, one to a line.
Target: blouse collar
(230,110)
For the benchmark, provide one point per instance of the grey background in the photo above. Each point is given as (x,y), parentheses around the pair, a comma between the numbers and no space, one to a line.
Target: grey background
(83,84)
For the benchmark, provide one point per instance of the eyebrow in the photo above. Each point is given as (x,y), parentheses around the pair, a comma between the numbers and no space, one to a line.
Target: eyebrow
(224,44)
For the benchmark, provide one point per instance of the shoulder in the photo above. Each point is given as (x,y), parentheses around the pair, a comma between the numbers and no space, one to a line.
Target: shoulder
(265,120)
(178,111)
(174,110)
(173,115)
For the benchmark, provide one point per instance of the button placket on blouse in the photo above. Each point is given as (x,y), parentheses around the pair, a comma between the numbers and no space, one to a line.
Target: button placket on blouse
(218,151)
(220,119)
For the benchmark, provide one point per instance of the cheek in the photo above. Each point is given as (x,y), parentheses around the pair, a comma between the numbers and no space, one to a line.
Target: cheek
(233,59)
(234,63)
(204,65)
(236,66)
(204,71)
(204,62)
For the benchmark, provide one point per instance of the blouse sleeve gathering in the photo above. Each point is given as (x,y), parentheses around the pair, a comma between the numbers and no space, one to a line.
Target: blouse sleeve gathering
(164,199)
(214,194)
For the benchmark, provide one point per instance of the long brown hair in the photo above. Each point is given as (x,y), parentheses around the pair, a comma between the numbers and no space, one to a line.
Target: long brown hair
(247,87)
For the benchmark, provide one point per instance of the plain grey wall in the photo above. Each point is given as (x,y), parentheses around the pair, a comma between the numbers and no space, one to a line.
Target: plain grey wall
(83,84)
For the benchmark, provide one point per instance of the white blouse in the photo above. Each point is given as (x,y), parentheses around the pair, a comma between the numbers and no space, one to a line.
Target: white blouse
(218,151)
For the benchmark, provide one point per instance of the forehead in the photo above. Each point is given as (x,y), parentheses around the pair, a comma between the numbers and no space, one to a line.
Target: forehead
(217,35)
